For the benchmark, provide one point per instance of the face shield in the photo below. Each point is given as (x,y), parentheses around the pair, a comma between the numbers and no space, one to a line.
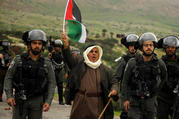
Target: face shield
(147,37)
(132,38)
(58,43)
(37,35)
(171,41)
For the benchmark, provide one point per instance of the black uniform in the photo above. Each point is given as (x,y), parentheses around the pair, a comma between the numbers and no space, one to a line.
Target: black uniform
(3,68)
(140,86)
(34,84)
(58,64)
(168,101)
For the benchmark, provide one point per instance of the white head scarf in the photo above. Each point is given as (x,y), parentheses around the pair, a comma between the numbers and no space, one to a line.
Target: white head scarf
(96,64)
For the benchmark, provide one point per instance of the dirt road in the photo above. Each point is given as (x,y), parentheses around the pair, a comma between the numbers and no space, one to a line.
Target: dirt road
(56,111)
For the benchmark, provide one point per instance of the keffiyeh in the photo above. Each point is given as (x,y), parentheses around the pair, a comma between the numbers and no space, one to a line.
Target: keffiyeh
(96,64)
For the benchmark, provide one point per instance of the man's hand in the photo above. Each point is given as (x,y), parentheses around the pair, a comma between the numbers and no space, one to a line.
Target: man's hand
(112,93)
(65,40)
(126,105)
(66,75)
(1,56)
(11,102)
(8,64)
(46,107)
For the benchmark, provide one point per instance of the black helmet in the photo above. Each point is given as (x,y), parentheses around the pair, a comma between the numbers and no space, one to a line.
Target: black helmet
(168,41)
(131,39)
(37,34)
(58,43)
(148,36)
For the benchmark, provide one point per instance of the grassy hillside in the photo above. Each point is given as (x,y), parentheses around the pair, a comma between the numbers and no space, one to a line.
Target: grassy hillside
(159,16)
(117,16)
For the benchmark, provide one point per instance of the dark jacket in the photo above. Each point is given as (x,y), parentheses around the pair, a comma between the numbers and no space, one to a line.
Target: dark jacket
(78,69)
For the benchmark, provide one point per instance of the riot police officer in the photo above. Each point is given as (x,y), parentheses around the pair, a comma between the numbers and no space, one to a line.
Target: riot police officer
(5,58)
(32,77)
(168,96)
(58,64)
(131,43)
(143,76)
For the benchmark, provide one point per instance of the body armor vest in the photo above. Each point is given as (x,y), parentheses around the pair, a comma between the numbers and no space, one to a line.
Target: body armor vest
(126,58)
(31,76)
(146,78)
(173,75)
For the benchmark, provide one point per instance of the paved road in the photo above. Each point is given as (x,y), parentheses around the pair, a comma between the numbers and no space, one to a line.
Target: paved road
(56,111)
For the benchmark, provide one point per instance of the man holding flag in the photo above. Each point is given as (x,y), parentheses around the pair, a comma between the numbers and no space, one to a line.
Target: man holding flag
(90,83)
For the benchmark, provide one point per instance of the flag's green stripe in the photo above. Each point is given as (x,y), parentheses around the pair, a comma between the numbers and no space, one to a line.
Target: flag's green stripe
(74,30)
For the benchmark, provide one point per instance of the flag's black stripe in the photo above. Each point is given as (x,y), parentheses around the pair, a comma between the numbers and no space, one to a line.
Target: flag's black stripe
(76,12)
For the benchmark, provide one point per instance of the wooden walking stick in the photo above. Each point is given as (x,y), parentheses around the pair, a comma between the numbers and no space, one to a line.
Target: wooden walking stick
(110,99)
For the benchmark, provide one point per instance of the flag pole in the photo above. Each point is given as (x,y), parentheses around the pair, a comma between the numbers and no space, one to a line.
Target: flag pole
(65,16)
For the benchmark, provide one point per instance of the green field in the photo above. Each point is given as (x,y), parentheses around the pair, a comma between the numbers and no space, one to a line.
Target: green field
(116,16)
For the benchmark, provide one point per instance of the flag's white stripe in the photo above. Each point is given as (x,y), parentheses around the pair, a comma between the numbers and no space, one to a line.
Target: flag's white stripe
(83,34)
(73,17)
(65,16)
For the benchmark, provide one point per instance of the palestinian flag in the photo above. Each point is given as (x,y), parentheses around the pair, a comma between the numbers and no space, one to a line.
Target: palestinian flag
(76,30)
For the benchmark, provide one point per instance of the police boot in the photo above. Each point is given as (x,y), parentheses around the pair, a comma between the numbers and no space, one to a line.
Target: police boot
(124,115)
(61,103)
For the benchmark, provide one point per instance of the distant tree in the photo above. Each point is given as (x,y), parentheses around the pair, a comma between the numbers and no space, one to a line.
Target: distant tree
(120,35)
(104,32)
(111,34)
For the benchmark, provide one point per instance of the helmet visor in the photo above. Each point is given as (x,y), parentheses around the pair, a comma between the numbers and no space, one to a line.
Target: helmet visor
(170,41)
(132,38)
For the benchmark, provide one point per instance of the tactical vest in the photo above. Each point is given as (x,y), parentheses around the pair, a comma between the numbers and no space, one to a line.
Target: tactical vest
(57,61)
(146,78)
(31,76)
(126,58)
(173,75)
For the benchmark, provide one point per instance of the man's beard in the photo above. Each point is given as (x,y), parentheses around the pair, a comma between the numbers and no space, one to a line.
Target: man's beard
(170,54)
(145,54)
(133,53)
(35,52)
